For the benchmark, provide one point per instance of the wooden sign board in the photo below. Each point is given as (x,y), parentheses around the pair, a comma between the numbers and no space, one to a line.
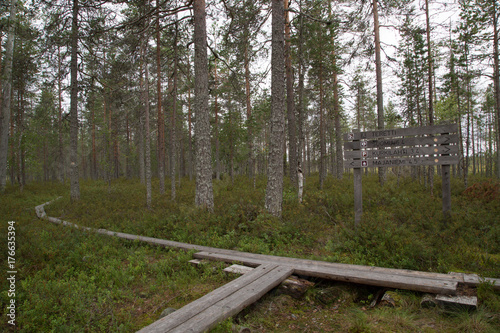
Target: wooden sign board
(404,151)
(394,162)
(416,146)
(398,142)
(424,130)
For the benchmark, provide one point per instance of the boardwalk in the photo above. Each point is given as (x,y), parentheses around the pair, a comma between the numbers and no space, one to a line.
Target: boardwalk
(270,271)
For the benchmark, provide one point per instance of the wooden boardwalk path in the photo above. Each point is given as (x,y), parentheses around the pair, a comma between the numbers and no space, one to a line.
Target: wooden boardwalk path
(231,298)
(222,303)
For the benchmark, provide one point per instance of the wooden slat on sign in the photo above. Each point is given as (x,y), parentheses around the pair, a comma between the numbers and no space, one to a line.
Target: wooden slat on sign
(424,130)
(398,142)
(394,162)
(405,151)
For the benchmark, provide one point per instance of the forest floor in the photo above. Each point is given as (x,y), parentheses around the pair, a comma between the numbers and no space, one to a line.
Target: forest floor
(71,280)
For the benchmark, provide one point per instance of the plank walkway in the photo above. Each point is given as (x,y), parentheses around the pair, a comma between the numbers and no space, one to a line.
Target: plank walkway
(222,303)
(230,299)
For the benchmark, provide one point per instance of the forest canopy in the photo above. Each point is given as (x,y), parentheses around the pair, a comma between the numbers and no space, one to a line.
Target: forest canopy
(109,89)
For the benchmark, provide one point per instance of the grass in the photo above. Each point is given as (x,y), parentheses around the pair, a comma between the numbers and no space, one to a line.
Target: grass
(76,281)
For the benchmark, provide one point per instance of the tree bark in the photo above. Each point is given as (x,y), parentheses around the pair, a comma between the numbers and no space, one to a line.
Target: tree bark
(147,134)
(161,123)
(496,78)
(274,190)
(431,91)
(322,131)
(251,161)
(378,70)
(204,196)
(73,152)
(290,104)
(173,136)
(6,97)
(301,111)
(60,151)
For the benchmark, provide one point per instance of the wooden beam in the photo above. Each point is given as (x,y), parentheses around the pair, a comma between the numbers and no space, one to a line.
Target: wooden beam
(403,151)
(401,279)
(403,142)
(394,162)
(389,133)
(223,302)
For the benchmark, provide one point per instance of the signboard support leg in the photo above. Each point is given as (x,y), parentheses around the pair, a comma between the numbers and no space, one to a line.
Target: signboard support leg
(358,197)
(446,188)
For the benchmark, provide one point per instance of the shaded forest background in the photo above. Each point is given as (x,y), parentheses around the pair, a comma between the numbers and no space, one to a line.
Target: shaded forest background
(108,89)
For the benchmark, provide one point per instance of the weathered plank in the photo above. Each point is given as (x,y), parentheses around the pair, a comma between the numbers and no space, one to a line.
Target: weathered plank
(377,277)
(393,162)
(404,151)
(403,142)
(223,302)
(388,133)
(236,302)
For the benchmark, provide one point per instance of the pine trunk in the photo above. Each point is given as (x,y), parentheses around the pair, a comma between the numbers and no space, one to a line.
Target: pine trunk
(73,117)
(274,190)
(290,104)
(378,70)
(496,83)
(161,123)
(6,97)
(431,91)
(204,196)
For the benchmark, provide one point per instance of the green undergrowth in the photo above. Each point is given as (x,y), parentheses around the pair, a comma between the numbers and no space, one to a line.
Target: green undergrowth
(75,281)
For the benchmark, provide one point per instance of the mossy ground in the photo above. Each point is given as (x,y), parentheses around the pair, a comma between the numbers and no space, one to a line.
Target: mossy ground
(74,281)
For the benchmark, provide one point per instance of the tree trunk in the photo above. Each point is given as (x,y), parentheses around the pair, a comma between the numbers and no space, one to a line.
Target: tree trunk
(496,83)
(173,136)
(251,162)
(301,111)
(431,91)
(6,97)
(140,127)
(161,123)
(322,131)
(190,129)
(204,191)
(147,134)
(216,132)
(378,70)
(290,104)
(60,151)
(274,190)
(73,117)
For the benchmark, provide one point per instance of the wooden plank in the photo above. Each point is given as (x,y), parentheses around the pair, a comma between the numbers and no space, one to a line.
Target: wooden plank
(405,142)
(388,133)
(233,304)
(187,312)
(405,151)
(393,278)
(393,162)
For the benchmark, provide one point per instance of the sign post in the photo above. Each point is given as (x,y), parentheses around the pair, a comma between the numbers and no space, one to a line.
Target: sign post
(358,193)
(428,145)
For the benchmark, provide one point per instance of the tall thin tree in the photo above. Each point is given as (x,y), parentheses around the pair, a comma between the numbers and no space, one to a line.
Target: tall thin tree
(6,96)
(204,196)
(378,71)
(274,190)
(73,111)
